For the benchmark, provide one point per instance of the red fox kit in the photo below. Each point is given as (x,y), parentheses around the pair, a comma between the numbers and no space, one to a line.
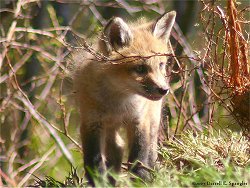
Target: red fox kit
(127,93)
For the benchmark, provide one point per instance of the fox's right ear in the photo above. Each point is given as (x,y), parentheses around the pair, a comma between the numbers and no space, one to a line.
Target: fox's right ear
(118,34)
(163,26)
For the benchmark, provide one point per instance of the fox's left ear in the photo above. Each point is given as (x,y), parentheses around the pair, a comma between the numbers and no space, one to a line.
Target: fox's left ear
(163,26)
(118,34)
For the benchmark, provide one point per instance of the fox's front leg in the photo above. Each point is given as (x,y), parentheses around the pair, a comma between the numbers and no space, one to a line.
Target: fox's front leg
(114,149)
(93,137)
(154,133)
(139,146)
(114,152)
(153,154)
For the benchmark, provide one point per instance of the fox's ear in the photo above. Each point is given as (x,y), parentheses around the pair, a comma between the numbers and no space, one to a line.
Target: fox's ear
(163,26)
(118,34)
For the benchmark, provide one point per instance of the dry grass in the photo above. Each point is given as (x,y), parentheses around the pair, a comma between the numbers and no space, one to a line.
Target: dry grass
(210,149)
(186,161)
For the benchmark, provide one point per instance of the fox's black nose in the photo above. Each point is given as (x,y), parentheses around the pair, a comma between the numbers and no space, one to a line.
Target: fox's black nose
(162,91)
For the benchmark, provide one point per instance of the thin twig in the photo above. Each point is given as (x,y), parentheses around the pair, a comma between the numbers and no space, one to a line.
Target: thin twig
(37,166)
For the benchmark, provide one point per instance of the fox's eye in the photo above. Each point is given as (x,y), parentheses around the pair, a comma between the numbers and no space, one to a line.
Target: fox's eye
(141,69)
(161,65)
(170,60)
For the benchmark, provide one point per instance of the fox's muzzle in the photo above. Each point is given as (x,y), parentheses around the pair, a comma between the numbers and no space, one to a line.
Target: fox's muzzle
(155,90)
(163,91)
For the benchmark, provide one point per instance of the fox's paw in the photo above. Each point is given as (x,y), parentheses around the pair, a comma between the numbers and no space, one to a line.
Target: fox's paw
(143,173)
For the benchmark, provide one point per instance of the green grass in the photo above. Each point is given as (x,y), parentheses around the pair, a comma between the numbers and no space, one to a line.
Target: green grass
(190,161)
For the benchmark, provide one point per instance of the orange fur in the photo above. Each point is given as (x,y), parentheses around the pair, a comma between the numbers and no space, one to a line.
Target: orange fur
(126,94)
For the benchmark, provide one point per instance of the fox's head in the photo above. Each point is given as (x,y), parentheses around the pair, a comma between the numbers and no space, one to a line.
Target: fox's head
(140,70)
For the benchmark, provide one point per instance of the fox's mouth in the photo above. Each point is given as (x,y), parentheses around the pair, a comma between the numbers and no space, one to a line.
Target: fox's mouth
(151,95)
(154,98)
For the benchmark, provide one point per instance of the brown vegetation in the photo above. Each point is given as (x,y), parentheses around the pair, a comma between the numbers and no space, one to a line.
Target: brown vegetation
(231,66)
